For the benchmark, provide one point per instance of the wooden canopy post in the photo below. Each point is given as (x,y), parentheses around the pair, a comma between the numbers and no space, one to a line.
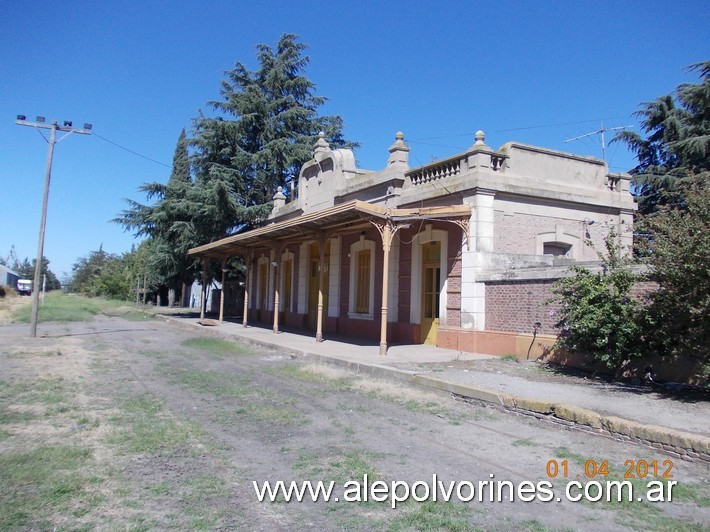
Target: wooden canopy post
(277,267)
(221,293)
(248,258)
(203,301)
(322,240)
(387,231)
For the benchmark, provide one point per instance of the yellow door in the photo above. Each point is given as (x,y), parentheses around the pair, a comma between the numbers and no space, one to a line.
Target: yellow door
(313,285)
(431,279)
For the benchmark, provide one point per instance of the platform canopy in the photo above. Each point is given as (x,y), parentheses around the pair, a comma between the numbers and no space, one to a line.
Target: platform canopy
(340,219)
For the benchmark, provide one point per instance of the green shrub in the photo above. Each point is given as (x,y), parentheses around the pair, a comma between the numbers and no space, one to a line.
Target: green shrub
(597,316)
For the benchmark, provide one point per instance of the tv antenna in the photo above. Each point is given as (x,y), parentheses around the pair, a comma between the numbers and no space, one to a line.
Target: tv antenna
(600,132)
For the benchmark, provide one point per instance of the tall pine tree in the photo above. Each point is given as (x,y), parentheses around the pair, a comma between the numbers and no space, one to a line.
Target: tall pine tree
(676,150)
(167,223)
(268,126)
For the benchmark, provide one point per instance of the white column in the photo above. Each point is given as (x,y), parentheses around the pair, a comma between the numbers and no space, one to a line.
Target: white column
(485,218)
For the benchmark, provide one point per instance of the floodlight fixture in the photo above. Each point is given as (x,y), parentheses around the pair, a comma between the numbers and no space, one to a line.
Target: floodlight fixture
(21,117)
(87,127)
(67,123)
(40,119)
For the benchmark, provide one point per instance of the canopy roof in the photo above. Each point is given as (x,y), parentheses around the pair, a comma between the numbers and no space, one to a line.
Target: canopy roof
(341,218)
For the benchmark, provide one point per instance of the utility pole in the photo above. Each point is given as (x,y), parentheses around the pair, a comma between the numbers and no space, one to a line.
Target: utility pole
(600,132)
(53,128)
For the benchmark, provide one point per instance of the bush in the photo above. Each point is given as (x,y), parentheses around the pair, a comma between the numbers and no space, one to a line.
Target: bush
(678,253)
(597,316)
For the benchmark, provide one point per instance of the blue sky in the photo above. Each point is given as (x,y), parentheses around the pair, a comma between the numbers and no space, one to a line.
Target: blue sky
(534,72)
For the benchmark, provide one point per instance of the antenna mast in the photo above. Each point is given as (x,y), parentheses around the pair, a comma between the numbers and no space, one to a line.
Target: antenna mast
(600,132)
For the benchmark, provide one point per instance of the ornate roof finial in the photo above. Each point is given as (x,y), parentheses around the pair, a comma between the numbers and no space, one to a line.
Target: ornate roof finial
(321,144)
(279,199)
(398,151)
(480,144)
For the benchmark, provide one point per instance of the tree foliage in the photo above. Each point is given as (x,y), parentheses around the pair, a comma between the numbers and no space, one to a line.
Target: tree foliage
(268,122)
(169,223)
(267,126)
(597,315)
(676,148)
(678,253)
(102,274)
(26,270)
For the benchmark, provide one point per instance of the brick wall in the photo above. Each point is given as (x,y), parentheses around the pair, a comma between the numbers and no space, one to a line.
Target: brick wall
(517,233)
(515,305)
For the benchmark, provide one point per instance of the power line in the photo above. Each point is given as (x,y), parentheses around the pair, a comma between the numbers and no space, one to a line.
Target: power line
(131,151)
(521,128)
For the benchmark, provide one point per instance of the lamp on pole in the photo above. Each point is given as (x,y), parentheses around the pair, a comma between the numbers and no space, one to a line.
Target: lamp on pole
(53,128)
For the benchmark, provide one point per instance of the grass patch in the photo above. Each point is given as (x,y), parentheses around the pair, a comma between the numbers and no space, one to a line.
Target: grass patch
(61,307)
(217,346)
(433,516)
(696,493)
(8,417)
(339,466)
(50,391)
(40,482)
(509,358)
(353,465)
(333,379)
(145,428)
(206,496)
(219,384)
(254,402)
(525,442)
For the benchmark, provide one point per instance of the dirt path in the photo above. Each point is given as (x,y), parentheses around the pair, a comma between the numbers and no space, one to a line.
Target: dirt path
(180,425)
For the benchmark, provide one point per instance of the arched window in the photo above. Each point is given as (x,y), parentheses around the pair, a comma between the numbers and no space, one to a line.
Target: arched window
(362,279)
(557,249)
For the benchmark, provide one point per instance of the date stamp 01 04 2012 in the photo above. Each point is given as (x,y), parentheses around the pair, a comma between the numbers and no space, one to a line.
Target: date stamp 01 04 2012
(634,469)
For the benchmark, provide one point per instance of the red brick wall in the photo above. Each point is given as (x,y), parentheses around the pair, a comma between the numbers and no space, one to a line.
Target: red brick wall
(515,305)
(517,233)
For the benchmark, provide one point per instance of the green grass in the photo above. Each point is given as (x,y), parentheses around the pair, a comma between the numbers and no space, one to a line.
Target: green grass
(217,346)
(50,391)
(525,442)
(433,516)
(12,417)
(39,482)
(338,384)
(60,307)
(255,403)
(219,384)
(146,428)
(509,358)
(338,465)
